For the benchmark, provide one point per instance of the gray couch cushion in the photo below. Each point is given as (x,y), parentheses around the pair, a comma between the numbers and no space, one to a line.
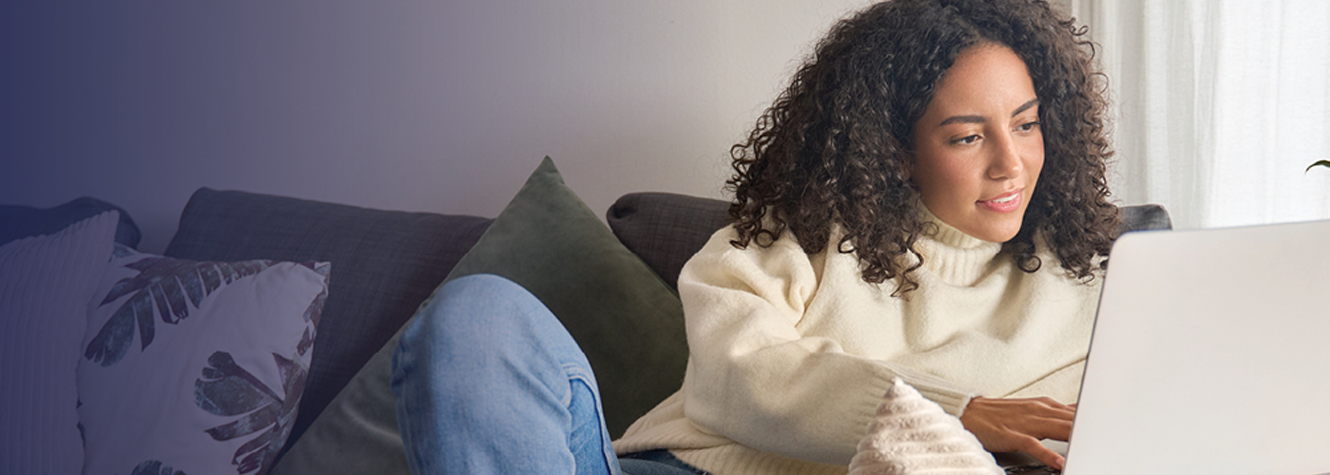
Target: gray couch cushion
(17,222)
(1144,218)
(384,263)
(666,229)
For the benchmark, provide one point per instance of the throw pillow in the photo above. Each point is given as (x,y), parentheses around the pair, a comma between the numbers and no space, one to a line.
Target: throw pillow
(45,285)
(195,367)
(386,261)
(628,322)
(22,221)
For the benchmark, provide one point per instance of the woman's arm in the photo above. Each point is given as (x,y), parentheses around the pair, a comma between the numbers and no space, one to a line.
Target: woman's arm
(755,379)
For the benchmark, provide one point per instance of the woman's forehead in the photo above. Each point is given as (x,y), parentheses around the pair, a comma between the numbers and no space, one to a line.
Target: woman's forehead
(984,80)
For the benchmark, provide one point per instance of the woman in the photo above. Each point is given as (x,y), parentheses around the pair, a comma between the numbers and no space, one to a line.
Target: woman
(925,201)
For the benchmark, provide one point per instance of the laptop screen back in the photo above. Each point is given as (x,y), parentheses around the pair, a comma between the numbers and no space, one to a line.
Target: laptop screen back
(1210,354)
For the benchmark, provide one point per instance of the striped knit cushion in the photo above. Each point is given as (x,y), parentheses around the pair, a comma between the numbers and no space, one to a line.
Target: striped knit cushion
(46,283)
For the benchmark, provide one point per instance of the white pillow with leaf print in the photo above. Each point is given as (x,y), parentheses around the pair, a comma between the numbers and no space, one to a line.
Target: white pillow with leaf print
(195,367)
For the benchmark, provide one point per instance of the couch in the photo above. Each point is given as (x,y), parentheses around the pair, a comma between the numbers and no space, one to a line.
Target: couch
(386,263)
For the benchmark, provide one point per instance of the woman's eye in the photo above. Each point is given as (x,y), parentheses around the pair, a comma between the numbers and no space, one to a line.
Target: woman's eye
(1028,126)
(966,140)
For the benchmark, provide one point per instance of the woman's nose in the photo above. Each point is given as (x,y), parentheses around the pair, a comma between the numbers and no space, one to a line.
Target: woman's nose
(1006,159)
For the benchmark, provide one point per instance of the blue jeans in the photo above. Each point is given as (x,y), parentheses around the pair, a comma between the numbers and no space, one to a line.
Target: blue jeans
(488,381)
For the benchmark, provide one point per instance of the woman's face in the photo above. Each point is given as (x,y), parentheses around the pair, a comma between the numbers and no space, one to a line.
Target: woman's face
(978,147)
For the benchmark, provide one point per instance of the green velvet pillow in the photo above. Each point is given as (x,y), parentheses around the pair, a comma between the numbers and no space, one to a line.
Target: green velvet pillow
(626,319)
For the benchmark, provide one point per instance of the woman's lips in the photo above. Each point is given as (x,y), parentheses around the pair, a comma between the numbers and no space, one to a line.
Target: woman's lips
(1004,203)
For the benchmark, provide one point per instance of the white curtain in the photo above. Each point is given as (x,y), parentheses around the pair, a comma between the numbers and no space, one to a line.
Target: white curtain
(1219,106)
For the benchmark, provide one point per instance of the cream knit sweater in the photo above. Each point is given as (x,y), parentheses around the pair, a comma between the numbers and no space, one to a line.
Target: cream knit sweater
(791,353)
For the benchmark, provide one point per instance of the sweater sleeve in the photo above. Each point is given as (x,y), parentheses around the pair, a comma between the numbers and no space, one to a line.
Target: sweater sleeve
(756,379)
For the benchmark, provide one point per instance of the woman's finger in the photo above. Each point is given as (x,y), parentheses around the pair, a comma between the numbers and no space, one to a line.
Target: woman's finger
(1056,429)
(1043,454)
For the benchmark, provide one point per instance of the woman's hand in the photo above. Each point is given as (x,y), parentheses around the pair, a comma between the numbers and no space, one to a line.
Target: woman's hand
(1017,425)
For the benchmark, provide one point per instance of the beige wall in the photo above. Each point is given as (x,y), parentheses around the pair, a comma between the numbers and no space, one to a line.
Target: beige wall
(428,106)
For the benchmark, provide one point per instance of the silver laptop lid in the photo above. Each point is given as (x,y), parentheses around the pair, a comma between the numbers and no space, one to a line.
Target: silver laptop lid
(1210,354)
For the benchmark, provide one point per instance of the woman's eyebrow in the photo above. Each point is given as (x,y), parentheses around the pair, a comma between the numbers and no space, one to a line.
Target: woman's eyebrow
(963,119)
(978,119)
(1025,106)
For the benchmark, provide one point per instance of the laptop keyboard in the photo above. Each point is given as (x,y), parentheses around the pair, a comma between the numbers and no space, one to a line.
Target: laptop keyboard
(1032,469)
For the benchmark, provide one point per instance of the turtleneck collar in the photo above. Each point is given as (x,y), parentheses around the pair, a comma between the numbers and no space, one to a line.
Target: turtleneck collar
(956,257)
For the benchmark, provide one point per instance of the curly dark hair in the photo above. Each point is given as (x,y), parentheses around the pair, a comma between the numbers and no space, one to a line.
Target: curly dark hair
(836,146)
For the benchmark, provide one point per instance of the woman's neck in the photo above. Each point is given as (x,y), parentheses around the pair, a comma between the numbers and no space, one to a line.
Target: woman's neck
(958,258)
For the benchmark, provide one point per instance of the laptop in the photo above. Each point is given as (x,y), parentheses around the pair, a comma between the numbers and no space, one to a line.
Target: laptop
(1210,355)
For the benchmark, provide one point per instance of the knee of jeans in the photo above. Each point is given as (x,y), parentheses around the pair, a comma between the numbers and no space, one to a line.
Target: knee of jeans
(451,314)
(450,320)
(484,319)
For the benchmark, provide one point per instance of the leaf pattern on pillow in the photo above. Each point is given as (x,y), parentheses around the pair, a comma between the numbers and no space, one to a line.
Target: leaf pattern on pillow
(226,389)
(314,311)
(155,467)
(162,287)
(316,307)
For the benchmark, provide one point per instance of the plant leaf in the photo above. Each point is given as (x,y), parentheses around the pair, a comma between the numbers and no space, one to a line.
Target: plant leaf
(315,309)
(249,424)
(159,296)
(306,341)
(139,281)
(112,342)
(142,306)
(155,467)
(290,371)
(171,286)
(226,389)
(163,284)
(277,415)
(260,451)
(212,280)
(1319,163)
(320,268)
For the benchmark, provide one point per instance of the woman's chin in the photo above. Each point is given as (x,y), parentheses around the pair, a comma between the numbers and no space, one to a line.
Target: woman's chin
(998,234)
